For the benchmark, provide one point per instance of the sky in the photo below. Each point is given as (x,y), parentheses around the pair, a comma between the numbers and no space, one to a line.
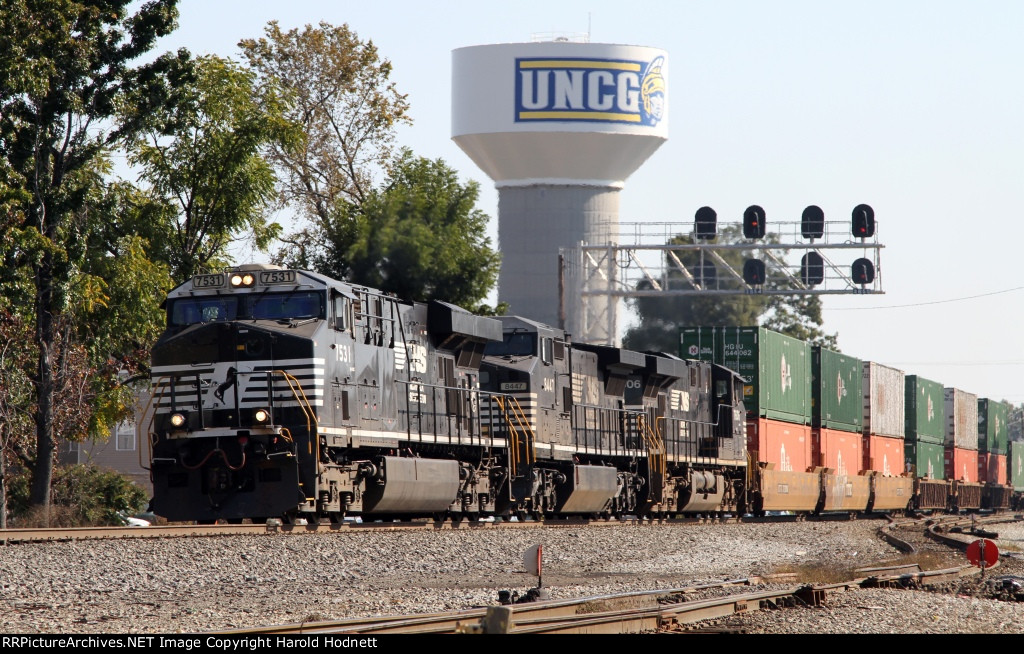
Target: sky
(915,107)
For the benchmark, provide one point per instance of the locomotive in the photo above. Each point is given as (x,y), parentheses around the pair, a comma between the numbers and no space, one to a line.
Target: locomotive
(284,393)
(280,393)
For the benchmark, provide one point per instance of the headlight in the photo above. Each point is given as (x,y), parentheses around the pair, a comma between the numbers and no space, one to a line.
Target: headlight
(177,419)
(262,415)
(242,279)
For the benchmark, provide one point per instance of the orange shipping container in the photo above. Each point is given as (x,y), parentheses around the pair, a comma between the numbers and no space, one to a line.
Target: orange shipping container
(785,444)
(992,468)
(885,455)
(961,464)
(841,451)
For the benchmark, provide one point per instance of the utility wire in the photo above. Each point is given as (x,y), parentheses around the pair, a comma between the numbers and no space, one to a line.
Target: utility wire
(921,304)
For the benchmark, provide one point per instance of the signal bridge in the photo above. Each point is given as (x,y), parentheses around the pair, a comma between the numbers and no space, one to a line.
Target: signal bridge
(651,259)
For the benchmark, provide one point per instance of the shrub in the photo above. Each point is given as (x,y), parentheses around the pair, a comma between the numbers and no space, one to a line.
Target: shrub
(82,496)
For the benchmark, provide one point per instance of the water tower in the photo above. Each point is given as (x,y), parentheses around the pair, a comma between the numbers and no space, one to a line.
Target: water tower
(558,126)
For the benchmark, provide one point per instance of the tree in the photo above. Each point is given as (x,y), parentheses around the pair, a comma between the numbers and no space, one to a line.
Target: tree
(64,65)
(420,237)
(660,318)
(202,159)
(338,90)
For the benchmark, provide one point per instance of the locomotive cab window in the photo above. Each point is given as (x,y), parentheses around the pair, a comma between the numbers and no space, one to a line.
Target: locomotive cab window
(513,344)
(341,312)
(546,351)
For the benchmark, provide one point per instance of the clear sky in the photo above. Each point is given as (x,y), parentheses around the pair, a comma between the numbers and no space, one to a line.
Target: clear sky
(915,107)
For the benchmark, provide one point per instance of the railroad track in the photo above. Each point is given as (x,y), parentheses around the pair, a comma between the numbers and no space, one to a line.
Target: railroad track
(36,535)
(666,610)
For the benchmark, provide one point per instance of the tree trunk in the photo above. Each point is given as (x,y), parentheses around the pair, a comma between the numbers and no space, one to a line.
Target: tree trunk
(3,486)
(46,340)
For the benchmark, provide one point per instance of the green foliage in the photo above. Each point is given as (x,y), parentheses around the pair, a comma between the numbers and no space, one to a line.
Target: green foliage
(202,159)
(338,90)
(84,495)
(420,237)
(65,66)
(660,318)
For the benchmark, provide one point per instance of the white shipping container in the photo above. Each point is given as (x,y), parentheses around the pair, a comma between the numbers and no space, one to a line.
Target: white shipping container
(961,411)
(884,400)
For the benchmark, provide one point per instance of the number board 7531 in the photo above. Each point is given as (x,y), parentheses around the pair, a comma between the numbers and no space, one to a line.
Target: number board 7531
(269,277)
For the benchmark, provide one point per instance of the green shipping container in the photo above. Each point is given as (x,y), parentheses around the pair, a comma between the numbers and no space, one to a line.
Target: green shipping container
(1015,461)
(992,423)
(776,369)
(924,410)
(836,391)
(926,458)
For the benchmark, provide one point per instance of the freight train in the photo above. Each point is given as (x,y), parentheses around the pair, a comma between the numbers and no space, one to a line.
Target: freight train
(281,393)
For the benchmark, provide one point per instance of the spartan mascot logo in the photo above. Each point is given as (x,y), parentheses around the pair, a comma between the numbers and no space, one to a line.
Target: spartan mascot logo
(652,92)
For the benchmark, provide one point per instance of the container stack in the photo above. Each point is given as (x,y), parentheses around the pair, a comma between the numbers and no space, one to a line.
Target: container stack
(961,417)
(925,430)
(776,372)
(992,423)
(836,423)
(884,428)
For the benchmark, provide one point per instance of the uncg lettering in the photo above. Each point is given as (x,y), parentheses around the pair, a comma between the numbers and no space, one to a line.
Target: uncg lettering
(614,93)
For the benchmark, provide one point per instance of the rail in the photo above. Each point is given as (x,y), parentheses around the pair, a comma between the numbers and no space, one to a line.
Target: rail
(636,612)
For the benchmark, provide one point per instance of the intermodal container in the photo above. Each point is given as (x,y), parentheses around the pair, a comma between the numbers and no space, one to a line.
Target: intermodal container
(836,391)
(884,454)
(1015,465)
(776,369)
(993,418)
(924,410)
(992,468)
(961,417)
(785,444)
(884,391)
(925,459)
(961,464)
(840,451)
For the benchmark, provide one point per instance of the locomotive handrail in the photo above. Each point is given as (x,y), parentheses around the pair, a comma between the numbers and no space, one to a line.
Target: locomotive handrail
(517,412)
(307,410)
(656,451)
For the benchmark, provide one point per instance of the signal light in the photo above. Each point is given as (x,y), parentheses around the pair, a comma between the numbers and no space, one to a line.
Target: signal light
(812,222)
(812,269)
(753,222)
(863,271)
(753,272)
(704,223)
(706,274)
(863,221)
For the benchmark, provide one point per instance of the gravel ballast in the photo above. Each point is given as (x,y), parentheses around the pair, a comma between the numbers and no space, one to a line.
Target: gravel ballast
(213,583)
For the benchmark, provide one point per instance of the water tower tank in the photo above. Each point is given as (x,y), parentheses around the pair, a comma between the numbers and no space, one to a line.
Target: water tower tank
(558,126)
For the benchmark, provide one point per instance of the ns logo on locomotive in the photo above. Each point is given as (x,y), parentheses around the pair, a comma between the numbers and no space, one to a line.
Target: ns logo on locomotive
(284,393)
(593,90)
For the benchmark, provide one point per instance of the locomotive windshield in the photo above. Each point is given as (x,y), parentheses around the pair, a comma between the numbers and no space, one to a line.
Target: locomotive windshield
(514,344)
(265,306)
(208,309)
